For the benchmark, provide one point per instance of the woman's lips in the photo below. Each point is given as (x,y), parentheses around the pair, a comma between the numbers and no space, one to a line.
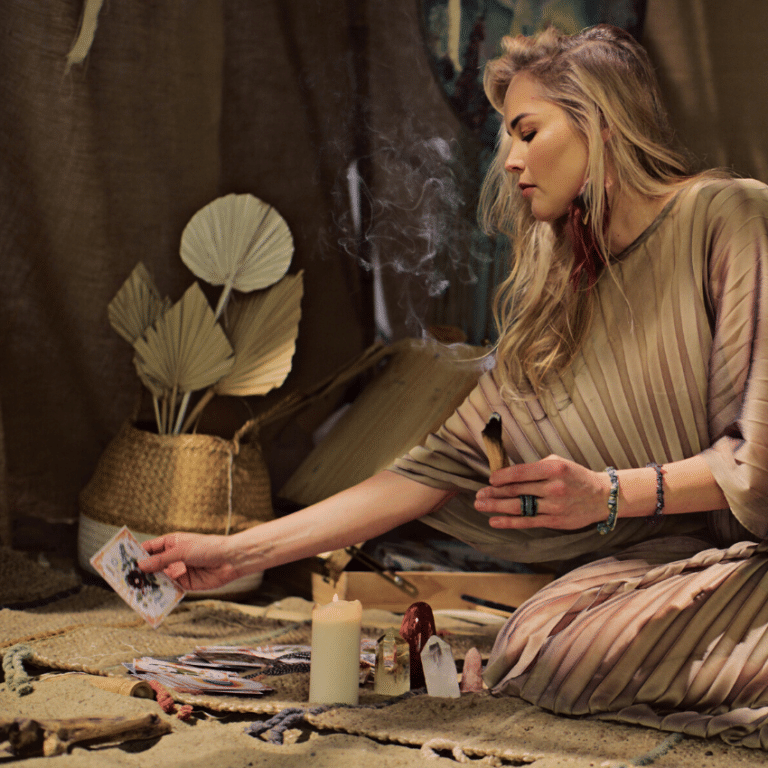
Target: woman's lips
(526,190)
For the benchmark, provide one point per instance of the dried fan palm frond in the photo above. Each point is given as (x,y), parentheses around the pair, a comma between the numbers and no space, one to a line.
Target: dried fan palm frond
(155,387)
(185,350)
(263,329)
(136,305)
(238,242)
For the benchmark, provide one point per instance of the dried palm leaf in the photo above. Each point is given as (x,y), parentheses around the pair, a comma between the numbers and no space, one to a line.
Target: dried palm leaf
(155,387)
(136,305)
(184,351)
(263,329)
(238,242)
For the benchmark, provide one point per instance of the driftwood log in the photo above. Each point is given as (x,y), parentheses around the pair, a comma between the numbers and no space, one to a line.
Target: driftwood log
(34,738)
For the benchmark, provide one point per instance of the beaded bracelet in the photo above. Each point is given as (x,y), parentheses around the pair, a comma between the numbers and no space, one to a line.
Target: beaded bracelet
(613,503)
(655,518)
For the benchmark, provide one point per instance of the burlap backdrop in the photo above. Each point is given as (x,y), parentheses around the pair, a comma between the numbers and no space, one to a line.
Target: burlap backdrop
(178,103)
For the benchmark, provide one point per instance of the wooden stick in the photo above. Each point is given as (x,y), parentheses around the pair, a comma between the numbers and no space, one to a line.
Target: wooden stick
(171,409)
(182,411)
(158,419)
(494,447)
(164,412)
(29,738)
(198,409)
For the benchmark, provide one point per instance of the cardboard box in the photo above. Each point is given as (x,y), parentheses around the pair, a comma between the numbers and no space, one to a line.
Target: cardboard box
(440,589)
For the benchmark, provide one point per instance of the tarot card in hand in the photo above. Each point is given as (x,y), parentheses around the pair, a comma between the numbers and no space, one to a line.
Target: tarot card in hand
(152,595)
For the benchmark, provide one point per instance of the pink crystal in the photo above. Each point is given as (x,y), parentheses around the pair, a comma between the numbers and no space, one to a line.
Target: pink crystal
(471,675)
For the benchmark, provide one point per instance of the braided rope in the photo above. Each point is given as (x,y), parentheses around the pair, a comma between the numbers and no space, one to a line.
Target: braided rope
(293,716)
(430,750)
(16,677)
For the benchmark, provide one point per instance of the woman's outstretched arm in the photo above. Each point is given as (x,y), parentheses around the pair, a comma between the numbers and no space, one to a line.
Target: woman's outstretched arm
(362,512)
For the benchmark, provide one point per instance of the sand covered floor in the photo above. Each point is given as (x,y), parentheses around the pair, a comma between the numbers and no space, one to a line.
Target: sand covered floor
(477,729)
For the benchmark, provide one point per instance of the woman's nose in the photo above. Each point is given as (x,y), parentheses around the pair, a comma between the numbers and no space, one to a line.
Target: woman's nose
(514,162)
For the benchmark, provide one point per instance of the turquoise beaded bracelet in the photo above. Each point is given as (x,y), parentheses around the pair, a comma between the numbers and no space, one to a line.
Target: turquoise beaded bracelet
(655,518)
(613,503)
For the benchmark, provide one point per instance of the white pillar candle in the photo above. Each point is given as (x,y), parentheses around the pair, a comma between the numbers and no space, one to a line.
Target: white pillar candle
(334,676)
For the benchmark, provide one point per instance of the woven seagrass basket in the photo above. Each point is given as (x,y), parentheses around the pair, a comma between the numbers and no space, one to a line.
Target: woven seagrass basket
(157,484)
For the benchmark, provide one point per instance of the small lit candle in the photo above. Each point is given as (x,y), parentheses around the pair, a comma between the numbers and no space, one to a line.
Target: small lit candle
(334,676)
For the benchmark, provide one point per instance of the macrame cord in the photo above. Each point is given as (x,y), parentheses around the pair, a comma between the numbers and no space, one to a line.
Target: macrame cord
(230,486)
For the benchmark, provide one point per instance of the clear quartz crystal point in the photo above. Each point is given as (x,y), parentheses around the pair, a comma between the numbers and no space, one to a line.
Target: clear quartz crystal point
(393,666)
(440,669)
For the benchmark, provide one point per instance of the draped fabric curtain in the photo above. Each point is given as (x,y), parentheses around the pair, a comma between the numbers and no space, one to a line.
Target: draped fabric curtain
(5,512)
(101,167)
(712,61)
(327,110)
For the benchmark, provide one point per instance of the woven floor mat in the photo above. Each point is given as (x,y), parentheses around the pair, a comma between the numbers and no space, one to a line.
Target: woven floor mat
(510,731)
(95,631)
(90,629)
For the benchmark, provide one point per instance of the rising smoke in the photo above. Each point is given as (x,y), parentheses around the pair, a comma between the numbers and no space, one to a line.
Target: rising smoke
(411,224)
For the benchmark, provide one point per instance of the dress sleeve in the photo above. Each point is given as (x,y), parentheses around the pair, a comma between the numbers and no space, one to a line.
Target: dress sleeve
(453,458)
(738,375)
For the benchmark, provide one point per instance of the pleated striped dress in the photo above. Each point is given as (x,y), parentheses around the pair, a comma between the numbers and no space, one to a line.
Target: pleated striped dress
(662,625)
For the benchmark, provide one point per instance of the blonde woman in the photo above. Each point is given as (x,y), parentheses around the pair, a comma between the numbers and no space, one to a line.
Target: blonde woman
(631,379)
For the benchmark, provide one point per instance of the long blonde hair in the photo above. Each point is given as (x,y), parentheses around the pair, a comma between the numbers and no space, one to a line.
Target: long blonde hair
(604,81)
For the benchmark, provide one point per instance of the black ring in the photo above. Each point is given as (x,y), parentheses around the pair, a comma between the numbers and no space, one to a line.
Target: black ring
(530,505)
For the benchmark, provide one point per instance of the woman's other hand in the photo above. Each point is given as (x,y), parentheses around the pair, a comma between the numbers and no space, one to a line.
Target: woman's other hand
(569,496)
(196,561)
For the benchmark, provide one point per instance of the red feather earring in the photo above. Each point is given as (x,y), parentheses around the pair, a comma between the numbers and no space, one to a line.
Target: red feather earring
(587,257)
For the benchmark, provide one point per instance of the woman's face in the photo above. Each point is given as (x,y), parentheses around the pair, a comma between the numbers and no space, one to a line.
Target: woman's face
(548,156)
